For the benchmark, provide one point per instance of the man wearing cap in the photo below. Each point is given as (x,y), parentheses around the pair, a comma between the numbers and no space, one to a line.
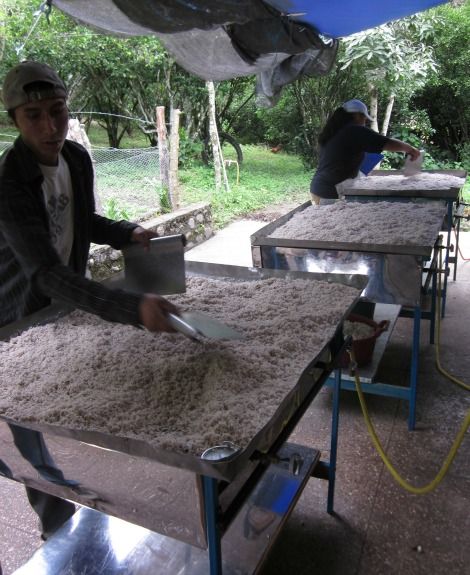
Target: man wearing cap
(47,221)
(343,143)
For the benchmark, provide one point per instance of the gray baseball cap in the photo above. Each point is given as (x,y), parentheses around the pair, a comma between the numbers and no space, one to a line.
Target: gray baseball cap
(356,106)
(28,72)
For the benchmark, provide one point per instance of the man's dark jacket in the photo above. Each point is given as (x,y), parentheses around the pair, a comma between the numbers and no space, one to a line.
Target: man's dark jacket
(31,273)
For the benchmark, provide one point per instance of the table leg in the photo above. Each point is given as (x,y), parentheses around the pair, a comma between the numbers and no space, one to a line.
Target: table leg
(213,534)
(414,368)
(334,442)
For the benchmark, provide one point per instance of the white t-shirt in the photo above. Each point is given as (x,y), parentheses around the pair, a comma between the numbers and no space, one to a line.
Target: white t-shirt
(58,195)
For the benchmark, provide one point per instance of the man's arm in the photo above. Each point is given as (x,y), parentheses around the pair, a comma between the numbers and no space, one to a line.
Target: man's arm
(118,234)
(26,238)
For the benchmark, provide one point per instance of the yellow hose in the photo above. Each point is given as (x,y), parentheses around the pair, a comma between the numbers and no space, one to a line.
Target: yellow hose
(438,338)
(460,435)
(376,441)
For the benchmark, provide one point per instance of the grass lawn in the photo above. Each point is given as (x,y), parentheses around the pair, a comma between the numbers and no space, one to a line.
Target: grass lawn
(265,179)
(128,191)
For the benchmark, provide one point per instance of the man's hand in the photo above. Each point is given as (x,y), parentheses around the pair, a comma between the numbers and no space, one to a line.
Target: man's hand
(153,312)
(142,236)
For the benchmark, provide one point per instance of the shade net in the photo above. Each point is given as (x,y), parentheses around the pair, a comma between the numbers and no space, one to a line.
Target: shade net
(278,40)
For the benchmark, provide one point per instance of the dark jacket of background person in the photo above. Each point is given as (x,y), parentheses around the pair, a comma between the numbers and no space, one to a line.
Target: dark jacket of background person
(343,143)
(342,155)
(31,273)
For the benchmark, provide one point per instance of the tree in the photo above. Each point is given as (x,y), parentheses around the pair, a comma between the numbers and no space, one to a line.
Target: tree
(394,59)
(446,96)
(125,77)
(296,121)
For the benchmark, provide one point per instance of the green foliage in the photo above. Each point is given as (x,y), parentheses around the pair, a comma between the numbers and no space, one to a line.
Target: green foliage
(115,211)
(189,150)
(129,77)
(446,97)
(126,77)
(464,155)
(165,203)
(278,123)
(310,102)
(394,160)
(407,135)
(412,123)
(394,57)
(99,138)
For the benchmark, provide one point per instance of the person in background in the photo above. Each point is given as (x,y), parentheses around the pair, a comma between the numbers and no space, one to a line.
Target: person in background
(343,143)
(47,222)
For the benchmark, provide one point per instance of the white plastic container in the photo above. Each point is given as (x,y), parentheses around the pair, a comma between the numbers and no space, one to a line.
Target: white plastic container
(413,167)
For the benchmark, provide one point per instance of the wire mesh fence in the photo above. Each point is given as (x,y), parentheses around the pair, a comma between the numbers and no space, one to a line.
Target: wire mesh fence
(5,143)
(128,181)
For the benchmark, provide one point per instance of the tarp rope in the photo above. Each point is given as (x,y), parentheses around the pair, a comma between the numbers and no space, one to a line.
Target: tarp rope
(44,9)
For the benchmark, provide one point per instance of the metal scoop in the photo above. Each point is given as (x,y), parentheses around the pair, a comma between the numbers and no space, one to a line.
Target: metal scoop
(161,270)
(197,325)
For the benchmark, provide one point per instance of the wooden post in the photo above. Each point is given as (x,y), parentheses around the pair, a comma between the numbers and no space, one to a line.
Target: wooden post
(219,165)
(174,156)
(77,133)
(163,150)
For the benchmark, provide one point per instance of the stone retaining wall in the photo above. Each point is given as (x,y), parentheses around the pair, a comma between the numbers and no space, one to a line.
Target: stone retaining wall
(194,221)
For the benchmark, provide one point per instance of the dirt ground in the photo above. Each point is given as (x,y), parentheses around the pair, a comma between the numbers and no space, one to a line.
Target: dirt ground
(271,213)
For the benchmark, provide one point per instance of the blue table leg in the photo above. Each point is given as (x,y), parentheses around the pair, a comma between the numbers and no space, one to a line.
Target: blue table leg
(213,535)
(334,442)
(447,248)
(414,368)
(432,326)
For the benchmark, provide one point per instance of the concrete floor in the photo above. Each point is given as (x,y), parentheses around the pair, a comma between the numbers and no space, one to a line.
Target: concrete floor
(378,528)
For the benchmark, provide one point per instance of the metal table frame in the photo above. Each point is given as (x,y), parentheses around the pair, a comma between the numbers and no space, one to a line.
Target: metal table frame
(69,547)
(226,486)
(278,253)
(323,470)
(367,374)
(451,196)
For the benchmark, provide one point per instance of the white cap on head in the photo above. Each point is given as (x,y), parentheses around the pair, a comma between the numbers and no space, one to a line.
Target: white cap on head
(357,106)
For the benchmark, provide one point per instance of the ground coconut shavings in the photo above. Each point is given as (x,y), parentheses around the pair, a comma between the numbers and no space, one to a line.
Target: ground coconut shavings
(384,223)
(421,181)
(84,373)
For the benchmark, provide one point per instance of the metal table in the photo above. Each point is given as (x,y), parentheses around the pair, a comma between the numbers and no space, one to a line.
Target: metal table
(404,191)
(193,515)
(396,276)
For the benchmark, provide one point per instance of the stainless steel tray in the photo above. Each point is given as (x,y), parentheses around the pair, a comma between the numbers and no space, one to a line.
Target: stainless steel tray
(260,238)
(130,479)
(395,271)
(437,193)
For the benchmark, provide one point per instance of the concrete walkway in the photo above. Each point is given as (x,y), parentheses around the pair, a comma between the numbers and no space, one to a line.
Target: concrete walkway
(230,245)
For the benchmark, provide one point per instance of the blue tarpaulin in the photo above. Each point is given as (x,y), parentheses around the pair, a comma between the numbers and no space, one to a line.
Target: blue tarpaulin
(339,18)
